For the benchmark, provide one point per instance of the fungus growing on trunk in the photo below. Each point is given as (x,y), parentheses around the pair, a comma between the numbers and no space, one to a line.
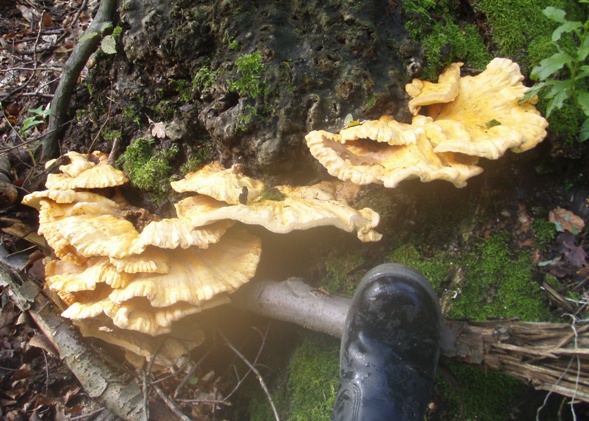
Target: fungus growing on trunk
(488,114)
(424,93)
(465,118)
(289,209)
(82,173)
(114,274)
(227,185)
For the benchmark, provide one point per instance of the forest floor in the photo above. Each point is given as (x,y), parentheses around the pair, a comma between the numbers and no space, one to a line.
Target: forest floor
(535,203)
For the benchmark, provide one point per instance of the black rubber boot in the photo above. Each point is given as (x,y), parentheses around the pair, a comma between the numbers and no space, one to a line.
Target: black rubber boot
(390,347)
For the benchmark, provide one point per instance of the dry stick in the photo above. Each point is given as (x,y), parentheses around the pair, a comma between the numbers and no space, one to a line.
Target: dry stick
(88,415)
(255,370)
(263,335)
(145,396)
(106,120)
(73,67)
(170,404)
(80,10)
(191,372)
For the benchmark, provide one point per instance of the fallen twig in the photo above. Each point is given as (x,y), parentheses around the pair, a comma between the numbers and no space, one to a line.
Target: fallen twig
(170,404)
(256,372)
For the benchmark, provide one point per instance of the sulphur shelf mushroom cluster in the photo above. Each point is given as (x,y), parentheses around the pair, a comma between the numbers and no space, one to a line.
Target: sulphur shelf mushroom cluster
(114,276)
(466,118)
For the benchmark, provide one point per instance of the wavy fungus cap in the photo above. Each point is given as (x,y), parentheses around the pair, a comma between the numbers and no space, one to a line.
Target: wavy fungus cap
(61,275)
(198,275)
(291,208)
(165,351)
(383,130)
(491,116)
(427,93)
(227,185)
(85,174)
(178,232)
(365,163)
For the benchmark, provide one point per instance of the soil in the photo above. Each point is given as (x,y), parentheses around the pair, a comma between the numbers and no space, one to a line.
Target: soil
(175,64)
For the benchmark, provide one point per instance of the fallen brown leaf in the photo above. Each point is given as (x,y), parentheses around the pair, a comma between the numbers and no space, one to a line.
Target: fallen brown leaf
(566,221)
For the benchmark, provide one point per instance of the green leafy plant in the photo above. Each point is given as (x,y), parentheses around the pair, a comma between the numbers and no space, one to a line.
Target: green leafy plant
(563,75)
(38,117)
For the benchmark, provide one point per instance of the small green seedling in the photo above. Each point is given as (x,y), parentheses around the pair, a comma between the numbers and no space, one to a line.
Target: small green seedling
(38,117)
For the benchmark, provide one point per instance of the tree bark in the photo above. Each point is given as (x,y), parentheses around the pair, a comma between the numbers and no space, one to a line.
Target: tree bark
(549,356)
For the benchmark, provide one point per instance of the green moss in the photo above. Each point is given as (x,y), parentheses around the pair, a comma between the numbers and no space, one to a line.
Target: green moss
(165,109)
(341,277)
(272,193)
(306,387)
(435,268)
(449,42)
(486,395)
(498,282)
(444,40)
(183,88)
(231,43)
(565,122)
(109,134)
(519,28)
(370,101)
(117,32)
(148,169)
(313,379)
(250,82)
(544,232)
(132,113)
(247,116)
(199,156)
(203,79)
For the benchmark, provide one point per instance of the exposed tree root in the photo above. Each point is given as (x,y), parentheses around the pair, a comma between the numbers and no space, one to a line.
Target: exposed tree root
(100,27)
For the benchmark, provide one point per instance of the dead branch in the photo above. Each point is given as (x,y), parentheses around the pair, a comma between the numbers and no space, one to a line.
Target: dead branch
(256,372)
(548,356)
(100,27)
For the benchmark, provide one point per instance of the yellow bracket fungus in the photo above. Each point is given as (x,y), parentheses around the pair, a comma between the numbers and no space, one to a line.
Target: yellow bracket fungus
(134,280)
(464,118)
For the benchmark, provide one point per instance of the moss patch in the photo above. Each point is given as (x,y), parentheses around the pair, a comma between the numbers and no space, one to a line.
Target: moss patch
(341,277)
(445,39)
(487,396)
(148,168)
(498,283)
(313,379)
(310,390)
